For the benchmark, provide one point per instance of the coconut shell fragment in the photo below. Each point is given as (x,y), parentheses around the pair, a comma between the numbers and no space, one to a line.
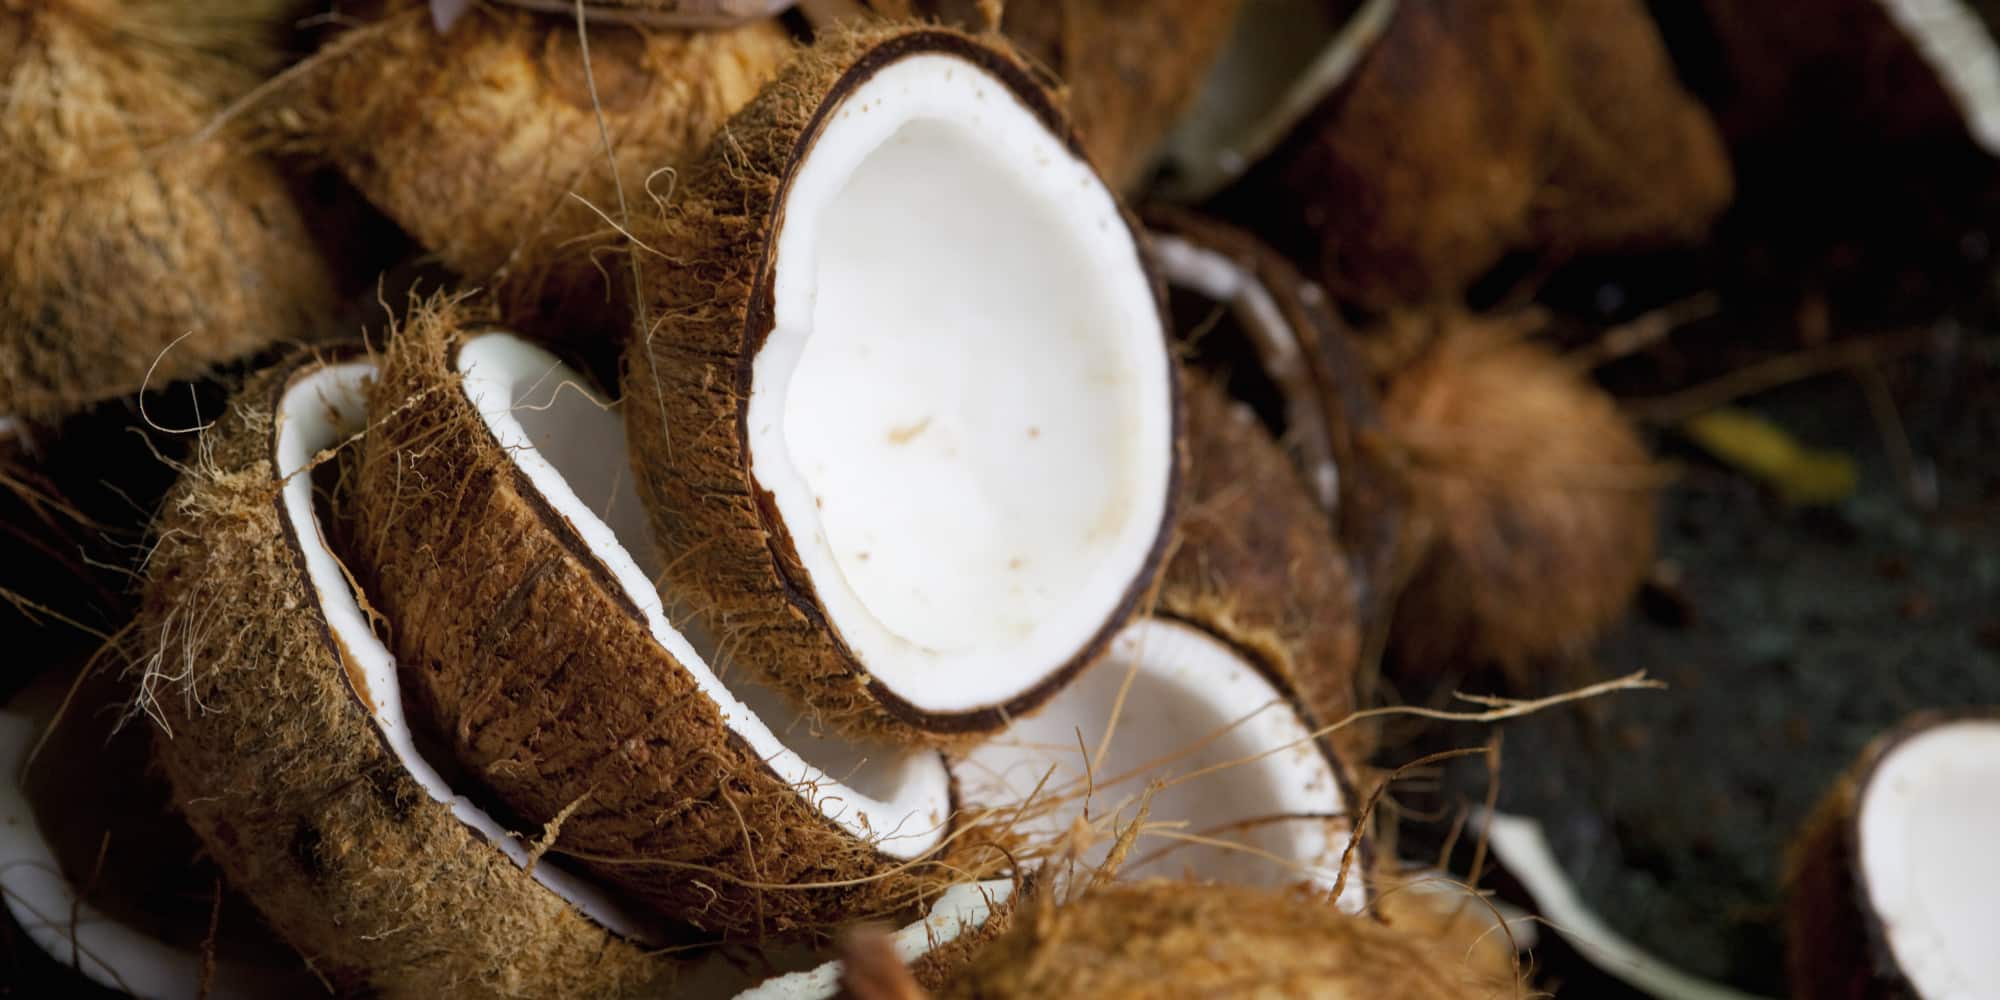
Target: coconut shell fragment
(280,730)
(1533,499)
(484,141)
(499,530)
(146,241)
(906,407)
(1471,129)
(1890,883)
(1178,939)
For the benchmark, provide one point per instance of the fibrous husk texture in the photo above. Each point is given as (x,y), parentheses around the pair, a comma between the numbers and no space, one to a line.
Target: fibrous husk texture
(1534,496)
(545,681)
(1473,128)
(687,384)
(1128,68)
(484,141)
(1256,565)
(276,763)
(1178,939)
(133,236)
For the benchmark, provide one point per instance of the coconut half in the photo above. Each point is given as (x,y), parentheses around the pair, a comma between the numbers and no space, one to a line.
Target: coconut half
(281,729)
(907,408)
(1892,883)
(499,524)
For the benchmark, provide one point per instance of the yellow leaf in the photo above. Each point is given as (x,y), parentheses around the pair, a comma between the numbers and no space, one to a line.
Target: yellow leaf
(1755,446)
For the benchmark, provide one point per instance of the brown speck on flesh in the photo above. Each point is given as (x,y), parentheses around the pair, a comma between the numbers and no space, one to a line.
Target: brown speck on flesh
(1014,563)
(863,556)
(902,435)
(1034,432)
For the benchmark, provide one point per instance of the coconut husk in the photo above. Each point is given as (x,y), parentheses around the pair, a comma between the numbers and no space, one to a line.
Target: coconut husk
(591,719)
(144,245)
(688,391)
(1471,129)
(1256,566)
(1178,939)
(1331,422)
(1532,497)
(1835,944)
(484,141)
(276,762)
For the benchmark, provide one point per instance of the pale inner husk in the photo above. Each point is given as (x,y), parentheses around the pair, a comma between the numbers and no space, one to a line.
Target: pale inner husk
(1953,39)
(319,411)
(1268,804)
(1930,856)
(571,445)
(964,408)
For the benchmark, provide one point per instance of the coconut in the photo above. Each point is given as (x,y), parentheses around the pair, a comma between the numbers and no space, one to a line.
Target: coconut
(144,245)
(499,525)
(487,141)
(1161,938)
(1532,497)
(282,730)
(1890,885)
(927,953)
(1457,131)
(1247,317)
(917,504)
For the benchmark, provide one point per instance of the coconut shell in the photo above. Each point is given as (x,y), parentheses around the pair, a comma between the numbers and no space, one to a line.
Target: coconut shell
(484,142)
(278,766)
(690,392)
(1256,566)
(1473,128)
(1835,946)
(547,683)
(1179,939)
(1532,496)
(140,250)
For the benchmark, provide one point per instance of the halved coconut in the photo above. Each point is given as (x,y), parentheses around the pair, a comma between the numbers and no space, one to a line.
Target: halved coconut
(935,949)
(282,730)
(1893,880)
(904,404)
(498,523)
(1178,939)
(1525,479)
(140,248)
(1273,338)
(487,141)
(103,883)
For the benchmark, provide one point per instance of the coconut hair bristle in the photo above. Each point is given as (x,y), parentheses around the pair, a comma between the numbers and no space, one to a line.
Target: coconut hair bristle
(487,142)
(276,763)
(1533,495)
(1256,565)
(593,720)
(143,246)
(685,397)
(1162,938)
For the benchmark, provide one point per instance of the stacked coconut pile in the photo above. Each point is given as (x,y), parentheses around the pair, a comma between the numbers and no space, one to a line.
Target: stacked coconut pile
(813,500)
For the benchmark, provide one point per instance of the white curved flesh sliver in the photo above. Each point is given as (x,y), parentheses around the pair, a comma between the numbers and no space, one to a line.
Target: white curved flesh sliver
(1193,703)
(960,910)
(964,408)
(542,414)
(1930,854)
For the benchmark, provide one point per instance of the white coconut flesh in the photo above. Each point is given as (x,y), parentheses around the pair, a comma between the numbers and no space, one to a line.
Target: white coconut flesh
(319,411)
(570,443)
(1954,41)
(1267,805)
(1220,277)
(1928,824)
(960,910)
(76,934)
(964,409)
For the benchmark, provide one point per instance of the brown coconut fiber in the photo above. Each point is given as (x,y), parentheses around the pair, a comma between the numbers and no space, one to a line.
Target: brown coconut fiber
(1532,495)
(1256,566)
(484,142)
(142,246)
(1179,939)
(547,683)
(687,382)
(278,766)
